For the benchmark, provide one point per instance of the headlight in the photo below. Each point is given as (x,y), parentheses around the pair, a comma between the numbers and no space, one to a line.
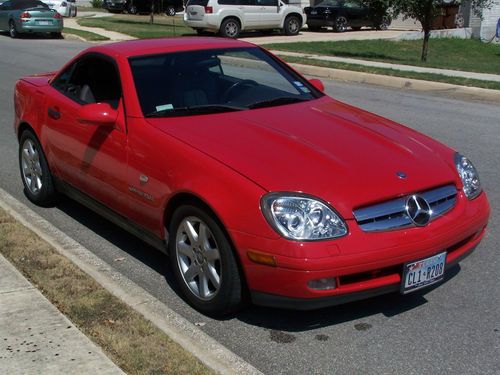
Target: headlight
(468,175)
(300,217)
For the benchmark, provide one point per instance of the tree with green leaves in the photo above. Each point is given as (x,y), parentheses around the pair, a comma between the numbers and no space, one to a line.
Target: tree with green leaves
(424,11)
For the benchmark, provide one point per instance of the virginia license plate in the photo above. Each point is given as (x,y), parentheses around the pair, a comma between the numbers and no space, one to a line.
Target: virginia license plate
(423,272)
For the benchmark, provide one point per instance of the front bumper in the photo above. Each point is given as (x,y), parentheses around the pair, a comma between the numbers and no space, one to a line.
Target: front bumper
(363,264)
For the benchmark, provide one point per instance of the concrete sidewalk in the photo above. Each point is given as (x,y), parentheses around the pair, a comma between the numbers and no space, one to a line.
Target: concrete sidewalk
(36,338)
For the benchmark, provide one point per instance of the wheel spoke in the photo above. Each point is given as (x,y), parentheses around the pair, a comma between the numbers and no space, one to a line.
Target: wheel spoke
(190,232)
(203,237)
(212,275)
(212,255)
(191,272)
(184,249)
(32,183)
(26,154)
(203,285)
(38,170)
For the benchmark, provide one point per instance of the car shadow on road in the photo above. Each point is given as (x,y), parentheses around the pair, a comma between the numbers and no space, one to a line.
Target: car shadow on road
(119,237)
(31,36)
(388,305)
(270,318)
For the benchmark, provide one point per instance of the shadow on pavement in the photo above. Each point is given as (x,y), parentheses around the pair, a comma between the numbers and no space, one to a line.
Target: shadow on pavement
(270,318)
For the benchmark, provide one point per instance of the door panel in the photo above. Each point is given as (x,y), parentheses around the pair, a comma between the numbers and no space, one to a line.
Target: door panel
(91,158)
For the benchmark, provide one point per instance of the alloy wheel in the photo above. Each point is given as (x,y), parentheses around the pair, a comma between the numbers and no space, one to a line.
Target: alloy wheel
(231,29)
(293,26)
(31,167)
(341,24)
(12,30)
(198,258)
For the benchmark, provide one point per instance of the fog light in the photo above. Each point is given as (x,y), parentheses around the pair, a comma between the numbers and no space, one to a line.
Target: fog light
(323,284)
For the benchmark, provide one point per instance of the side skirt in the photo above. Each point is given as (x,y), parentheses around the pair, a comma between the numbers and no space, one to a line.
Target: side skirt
(111,215)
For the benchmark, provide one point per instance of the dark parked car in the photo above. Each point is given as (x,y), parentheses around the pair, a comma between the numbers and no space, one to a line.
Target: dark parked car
(169,7)
(340,15)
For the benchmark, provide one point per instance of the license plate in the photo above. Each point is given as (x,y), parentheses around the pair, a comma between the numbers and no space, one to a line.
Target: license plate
(43,23)
(423,272)
(314,12)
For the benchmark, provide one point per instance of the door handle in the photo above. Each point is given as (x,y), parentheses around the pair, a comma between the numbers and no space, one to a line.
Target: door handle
(54,113)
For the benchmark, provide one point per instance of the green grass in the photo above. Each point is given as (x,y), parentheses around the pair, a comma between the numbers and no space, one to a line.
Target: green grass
(445,53)
(139,27)
(395,73)
(87,35)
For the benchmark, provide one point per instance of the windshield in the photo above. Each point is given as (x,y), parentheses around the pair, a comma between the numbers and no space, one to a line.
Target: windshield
(329,3)
(216,80)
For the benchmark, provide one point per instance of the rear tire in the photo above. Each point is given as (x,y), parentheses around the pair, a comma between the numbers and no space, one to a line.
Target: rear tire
(56,35)
(203,261)
(12,30)
(35,172)
(230,28)
(341,24)
(170,11)
(292,25)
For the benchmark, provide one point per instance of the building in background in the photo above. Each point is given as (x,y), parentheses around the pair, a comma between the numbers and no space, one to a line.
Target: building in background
(484,28)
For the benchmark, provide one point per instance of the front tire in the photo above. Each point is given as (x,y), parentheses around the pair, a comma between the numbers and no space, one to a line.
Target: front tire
(35,172)
(384,23)
(292,25)
(230,28)
(203,261)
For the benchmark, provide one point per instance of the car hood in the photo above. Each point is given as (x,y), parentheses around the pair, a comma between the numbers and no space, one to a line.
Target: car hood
(345,156)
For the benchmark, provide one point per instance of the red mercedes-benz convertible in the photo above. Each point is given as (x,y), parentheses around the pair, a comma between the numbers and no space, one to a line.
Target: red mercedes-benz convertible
(254,181)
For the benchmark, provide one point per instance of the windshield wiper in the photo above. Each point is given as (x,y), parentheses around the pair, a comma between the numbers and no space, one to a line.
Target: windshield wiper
(278,101)
(196,110)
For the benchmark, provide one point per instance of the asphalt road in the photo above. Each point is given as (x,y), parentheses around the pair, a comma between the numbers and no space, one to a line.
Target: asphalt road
(454,328)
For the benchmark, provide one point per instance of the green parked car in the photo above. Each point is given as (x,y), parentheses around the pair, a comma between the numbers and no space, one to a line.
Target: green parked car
(29,16)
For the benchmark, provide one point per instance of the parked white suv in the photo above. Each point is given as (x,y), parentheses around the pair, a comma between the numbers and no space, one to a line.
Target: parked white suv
(229,17)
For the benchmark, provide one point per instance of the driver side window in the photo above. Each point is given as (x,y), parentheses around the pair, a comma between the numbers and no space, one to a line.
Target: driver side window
(90,80)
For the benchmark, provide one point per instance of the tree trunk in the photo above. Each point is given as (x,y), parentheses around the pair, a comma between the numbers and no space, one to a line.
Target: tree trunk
(425,46)
(426,22)
(152,15)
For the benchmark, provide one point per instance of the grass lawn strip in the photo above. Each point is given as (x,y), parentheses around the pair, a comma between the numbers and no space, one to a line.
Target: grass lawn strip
(131,341)
(468,55)
(87,35)
(139,27)
(394,72)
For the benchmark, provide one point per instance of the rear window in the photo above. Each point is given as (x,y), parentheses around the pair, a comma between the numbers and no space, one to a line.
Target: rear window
(203,3)
(28,4)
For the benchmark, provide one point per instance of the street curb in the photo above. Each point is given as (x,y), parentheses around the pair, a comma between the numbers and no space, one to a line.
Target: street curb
(457,91)
(213,354)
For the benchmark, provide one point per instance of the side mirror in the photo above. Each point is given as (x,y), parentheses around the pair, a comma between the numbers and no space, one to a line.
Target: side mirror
(99,114)
(317,84)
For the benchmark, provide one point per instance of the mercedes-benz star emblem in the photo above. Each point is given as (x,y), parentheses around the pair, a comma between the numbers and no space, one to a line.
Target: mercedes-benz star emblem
(418,210)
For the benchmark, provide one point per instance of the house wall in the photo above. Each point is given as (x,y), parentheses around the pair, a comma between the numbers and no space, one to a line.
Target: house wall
(485,29)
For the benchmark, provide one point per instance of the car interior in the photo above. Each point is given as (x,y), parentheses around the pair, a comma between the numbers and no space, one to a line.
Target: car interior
(182,80)
(92,80)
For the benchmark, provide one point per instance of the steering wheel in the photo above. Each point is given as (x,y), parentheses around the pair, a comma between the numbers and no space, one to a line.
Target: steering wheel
(234,86)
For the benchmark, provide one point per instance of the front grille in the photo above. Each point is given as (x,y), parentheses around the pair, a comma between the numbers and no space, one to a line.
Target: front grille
(392,214)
